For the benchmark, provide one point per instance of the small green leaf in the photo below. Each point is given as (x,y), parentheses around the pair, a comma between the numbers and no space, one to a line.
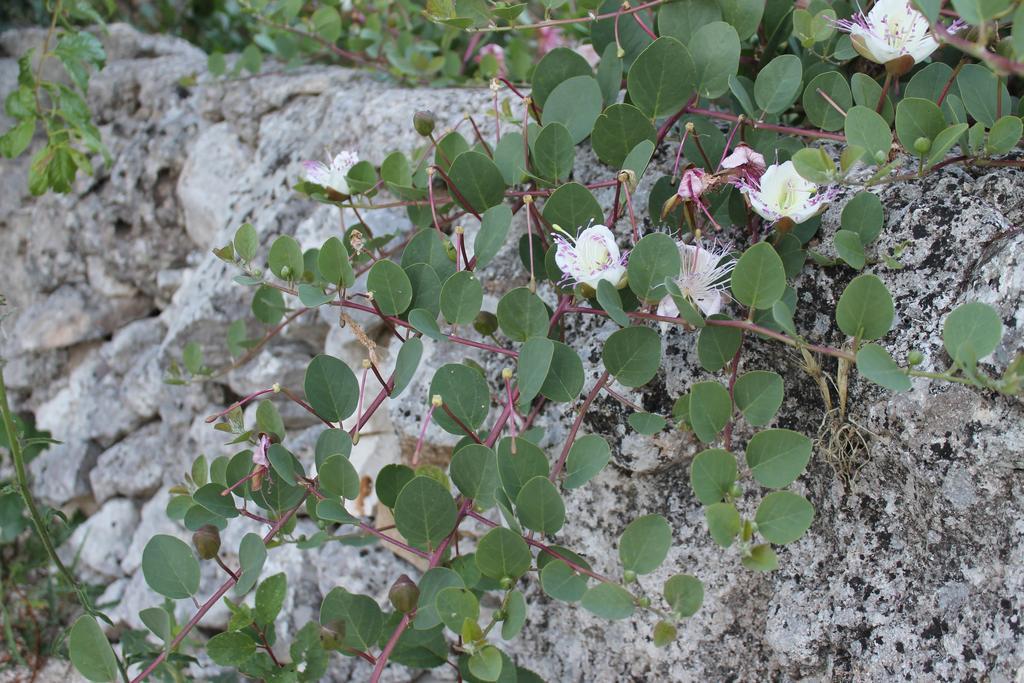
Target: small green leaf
(783,517)
(608,601)
(477,180)
(170,568)
(716,346)
(758,395)
(776,457)
(644,544)
(850,248)
(877,365)
(654,258)
(246,242)
(710,409)
(461,298)
(465,393)
(390,481)
(866,129)
(455,605)
(433,582)
(338,477)
(684,594)
(617,131)
(971,332)
(425,512)
(515,615)
(285,258)
(778,83)
(540,507)
(865,308)
(712,474)
(918,118)
(252,554)
(486,663)
(522,315)
(231,648)
(632,355)
(331,388)
(574,103)
(559,581)
(502,553)
(723,523)
(611,302)
(647,423)
(1004,135)
(762,558)
(493,231)
(588,456)
(474,470)
(661,78)
(90,650)
(864,216)
(390,287)
(406,364)
(759,278)
(333,263)
(270,598)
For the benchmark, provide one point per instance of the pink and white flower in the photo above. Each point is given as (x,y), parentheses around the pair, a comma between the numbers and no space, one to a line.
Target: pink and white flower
(332,176)
(892,30)
(784,193)
(703,280)
(744,165)
(693,184)
(591,257)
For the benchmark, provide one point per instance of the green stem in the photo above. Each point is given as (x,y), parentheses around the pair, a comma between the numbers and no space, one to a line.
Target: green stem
(20,473)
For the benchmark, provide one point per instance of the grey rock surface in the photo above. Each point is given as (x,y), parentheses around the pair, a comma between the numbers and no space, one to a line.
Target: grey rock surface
(912,570)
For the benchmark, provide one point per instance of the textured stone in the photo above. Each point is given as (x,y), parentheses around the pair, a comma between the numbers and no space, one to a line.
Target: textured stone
(100,543)
(133,466)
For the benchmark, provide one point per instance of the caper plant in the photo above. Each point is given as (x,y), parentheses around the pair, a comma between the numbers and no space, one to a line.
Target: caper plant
(768,113)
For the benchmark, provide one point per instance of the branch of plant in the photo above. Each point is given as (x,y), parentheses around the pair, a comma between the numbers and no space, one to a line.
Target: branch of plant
(577,20)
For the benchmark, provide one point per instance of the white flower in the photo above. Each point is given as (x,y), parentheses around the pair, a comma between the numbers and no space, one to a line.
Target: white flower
(693,184)
(891,30)
(784,193)
(332,176)
(591,257)
(703,278)
(745,165)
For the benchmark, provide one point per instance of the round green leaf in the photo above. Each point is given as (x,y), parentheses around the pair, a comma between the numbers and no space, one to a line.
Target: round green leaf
(723,523)
(486,663)
(868,130)
(246,242)
(662,77)
(556,66)
(331,388)
(461,298)
(390,287)
(427,247)
(390,481)
(406,364)
(522,314)
(647,423)
(758,395)
(715,51)
(333,263)
(710,409)
(425,512)
(762,559)
(359,615)
(540,507)
(515,615)
(559,581)
(474,470)
(778,83)
(465,393)
(783,517)
(632,355)
(170,568)
(231,648)
(534,363)
(682,19)
(573,208)
(565,376)
(864,216)
(684,594)
(554,152)
(712,474)
(819,110)
(502,553)
(917,118)
(971,332)
(338,477)
(285,258)
(654,259)
(865,308)
(776,457)
(588,456)
(877,365)
(619,129)
(478,180)
(608,601)
(268,305)
(455,605)
(644,544)
(426,288)
(716,346)
(252,554)
(493,231)
(759,278)
(90,650)
(575,103)
(519,461)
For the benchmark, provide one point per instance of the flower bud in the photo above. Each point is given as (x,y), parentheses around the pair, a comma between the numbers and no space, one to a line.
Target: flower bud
(206,539)
(922,145)
(404,595)
(486,323)
(644,602)
(424,122)
(507,583)
(915,358)
(629,576)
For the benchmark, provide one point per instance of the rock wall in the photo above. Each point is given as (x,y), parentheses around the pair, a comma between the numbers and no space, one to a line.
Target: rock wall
(911,571)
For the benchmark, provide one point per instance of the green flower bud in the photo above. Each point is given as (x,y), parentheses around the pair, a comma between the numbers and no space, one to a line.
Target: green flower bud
(206,539)
(644,602)
(404,594)
(915,358)
(507,583)
(486,323)
(922,145)
(424,122)
(629,576)
(735,491)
